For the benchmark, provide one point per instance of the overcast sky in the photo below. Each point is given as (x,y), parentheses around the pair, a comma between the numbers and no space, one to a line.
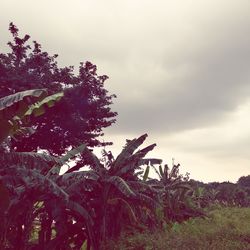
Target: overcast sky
(180,69)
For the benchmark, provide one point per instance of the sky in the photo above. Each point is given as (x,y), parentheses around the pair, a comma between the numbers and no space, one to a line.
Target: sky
(180,70)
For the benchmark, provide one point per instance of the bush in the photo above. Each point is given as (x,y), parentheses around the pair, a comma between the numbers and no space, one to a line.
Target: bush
(224,228)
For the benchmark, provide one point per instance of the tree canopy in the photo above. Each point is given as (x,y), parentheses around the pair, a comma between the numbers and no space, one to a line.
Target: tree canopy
(83,112)
(244,181)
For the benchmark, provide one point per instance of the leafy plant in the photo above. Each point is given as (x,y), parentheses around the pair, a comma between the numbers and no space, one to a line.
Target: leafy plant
(224,228)
(174,192)
(82,114)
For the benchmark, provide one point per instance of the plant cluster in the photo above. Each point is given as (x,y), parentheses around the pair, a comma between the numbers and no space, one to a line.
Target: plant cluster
(89,206)
(225,193)
(224,228)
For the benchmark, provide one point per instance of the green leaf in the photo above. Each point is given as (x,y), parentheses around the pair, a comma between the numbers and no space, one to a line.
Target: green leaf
(14,108)
(121,185)
(11,100)
(30,179)
(39,108)
(150,161)
(55,170)
(166,174)
(92,160)
(161,171)
(84,245)
(142,153)
(29,160)
(18,104)
(134,161)
(129,150)
(176,227)
(70,178)
(145,176)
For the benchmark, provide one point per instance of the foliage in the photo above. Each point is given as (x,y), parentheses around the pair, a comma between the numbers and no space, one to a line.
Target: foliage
(76,208)
(16,110)
(42,209)
(82,114)
(19,171)
(225,193)
(244,181)
(174,194)
(223,228)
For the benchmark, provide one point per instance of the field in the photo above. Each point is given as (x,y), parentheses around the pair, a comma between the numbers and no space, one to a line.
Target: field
(223,228)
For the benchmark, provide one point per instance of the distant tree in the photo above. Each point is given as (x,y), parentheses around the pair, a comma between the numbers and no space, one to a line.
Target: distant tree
(244,181)
(241,197)
(196,184)
(213,185)
(226,192)
(83,112)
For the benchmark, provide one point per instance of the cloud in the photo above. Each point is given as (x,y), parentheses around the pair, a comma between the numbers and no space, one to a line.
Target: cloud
(180,70)
(192,84)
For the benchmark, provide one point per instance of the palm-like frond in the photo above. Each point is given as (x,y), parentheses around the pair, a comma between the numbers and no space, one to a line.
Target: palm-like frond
(92,160)
(55,170)
(150,161)
(42,185)
(29,160)
(142,153)
(129,150)
(14,108)
(70,178)
(18,103)
(145,176)
(35,181)
(135,161)
(121,185)
(38,108)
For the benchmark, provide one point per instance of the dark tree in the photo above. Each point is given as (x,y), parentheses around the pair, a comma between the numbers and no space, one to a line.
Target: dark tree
(244,181)
(82,114)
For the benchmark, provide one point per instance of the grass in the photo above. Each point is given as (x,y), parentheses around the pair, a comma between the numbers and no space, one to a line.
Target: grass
(224,228)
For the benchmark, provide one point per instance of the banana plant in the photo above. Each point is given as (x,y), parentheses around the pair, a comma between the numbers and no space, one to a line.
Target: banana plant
(111,187)
(17,108)
(14,110)
(23,173)
(50,188)
(174,192)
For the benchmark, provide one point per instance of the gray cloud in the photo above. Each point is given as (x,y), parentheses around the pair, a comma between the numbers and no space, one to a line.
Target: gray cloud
(203,86)
(177,67)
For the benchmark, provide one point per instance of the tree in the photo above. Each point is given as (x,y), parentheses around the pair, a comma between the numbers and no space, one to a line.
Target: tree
(226,192)
(244,181)
(80,116)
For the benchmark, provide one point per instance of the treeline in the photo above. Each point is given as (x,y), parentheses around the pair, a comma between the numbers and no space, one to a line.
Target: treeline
(224,193)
